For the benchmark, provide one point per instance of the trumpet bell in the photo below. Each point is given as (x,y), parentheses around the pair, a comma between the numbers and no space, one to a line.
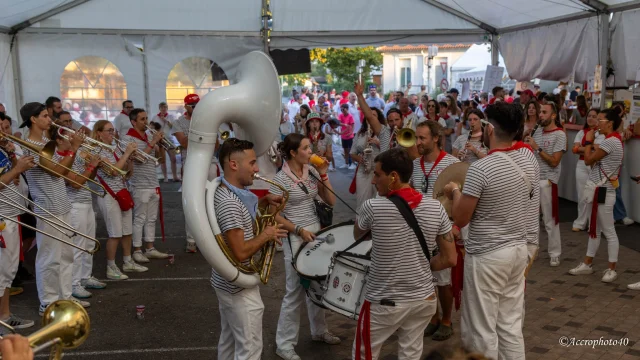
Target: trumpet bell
(453,173)
(406,137)
(225,135)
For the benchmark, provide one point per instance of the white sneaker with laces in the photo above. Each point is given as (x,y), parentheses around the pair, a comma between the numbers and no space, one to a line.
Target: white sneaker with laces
(352,167)
(41,309)
(582,269)
(327,338)
(85,304)
(114,273)
(92,283)
(288,354)
(155,254)
(610,275)
(627,221)
(555,261)
(634,286)
(139,257)
(80,293)
(131,266)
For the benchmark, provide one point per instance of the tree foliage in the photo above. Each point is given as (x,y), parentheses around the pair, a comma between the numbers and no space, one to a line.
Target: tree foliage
(343,62)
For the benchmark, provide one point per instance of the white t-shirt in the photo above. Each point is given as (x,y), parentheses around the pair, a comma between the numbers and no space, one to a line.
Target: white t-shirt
(122,124)
(166,128)
(550,142)
(355,113)
(294,108)
(399,268)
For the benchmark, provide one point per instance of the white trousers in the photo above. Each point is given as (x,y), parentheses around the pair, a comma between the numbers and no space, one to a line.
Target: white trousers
(493,291)
(119,223)
(289,321)
(241,324)
(605,225)
(83,219)
(408,319)
(364,188)
(145,213)
(553,229)
(10,255)
(582,174)
(54,263)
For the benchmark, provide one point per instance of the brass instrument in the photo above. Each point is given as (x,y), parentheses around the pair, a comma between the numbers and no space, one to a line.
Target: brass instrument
(406,137)
(262,261)
(367,154)
(66,325)
(90,144)
(225,135)
(138,155)
(47,164)
(273,154)
(164,142)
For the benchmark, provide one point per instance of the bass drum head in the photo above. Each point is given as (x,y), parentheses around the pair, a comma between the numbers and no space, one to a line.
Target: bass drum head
(313,258)
(345,284)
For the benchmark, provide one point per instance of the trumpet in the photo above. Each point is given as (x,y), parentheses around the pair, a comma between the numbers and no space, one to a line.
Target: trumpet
(406,137)
(66,325)
(138,155)
(164,142)
(225,135)
(47,164)
(89,143)
(106,166)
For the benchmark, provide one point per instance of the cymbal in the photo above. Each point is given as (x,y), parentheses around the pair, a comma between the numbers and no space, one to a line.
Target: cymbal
(453,173)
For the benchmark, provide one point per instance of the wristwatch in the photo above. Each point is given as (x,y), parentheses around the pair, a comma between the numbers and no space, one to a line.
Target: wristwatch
(539,150)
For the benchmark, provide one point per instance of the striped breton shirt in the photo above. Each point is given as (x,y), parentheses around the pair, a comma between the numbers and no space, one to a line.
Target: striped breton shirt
(399,268)
(10,192)
(47,191)
(231,214)
(144,174)
(470,157)
(533,225)
(550,142)
(501,218)
(82,195)
(609,165)
(385,137)
(418,177)
(115,182)
(300,209)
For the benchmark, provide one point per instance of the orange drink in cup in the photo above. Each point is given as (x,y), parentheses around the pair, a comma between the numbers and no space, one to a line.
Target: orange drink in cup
(316,160)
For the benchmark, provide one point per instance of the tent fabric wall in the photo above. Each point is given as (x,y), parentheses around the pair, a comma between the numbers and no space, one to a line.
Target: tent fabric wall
(43,58)
(164,52)
(7,91)
(625,51)
(550,52)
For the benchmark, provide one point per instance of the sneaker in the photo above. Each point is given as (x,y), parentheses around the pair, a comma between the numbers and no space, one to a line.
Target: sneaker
(114,273)
(18,323)
(327,338)
(191,247)
(84,304)
(609,276)
(342,166)
(331,168)
(626,221)
(576,229)
(131,266)
(41,309)
(288,354)
(155,254)
(634,286)
(139,257)
(555,261)
(352,167)
(582,269)
(92,283)
(80,293)
(13,291)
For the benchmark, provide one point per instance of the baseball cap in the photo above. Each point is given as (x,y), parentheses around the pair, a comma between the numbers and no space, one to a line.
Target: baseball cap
(373,86)
(191,99)
(528,92)
(345,94)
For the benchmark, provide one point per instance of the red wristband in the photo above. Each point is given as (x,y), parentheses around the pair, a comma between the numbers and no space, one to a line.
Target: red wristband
(324,177)
(456,227)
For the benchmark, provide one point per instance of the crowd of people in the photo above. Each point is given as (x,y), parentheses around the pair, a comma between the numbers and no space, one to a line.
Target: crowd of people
(397,149)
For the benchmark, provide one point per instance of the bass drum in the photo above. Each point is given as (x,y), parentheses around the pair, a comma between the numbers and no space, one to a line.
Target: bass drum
(344,288)
(313,259)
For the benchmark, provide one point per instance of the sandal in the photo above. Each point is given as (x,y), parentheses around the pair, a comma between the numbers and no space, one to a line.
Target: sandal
(444,332)
(431,329)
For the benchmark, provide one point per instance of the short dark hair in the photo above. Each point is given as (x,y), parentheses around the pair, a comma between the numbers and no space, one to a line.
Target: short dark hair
(398,160)
(50,101)
(124,103)
(63,113)
(554,108)
(31,109)
(4,117)
(380,114)
(612,114)
(394,110)
(232,146)
(442,104)
(290,143)
(495,90)
(506,118)
(156,125)
(134,113)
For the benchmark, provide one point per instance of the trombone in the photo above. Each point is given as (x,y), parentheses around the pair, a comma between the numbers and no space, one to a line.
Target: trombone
(164,142)
(60,225)
(138,155)
(406,137)
(47,164)
(66,325)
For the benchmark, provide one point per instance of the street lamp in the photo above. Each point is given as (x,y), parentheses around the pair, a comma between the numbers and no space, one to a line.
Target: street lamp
(360,69)
(431,53)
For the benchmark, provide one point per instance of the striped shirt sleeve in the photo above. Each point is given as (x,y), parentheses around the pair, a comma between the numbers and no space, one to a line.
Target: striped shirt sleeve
(365,217)
(475,182)
(445,223)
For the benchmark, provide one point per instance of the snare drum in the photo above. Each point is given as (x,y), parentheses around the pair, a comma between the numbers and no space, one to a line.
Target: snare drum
(344,287)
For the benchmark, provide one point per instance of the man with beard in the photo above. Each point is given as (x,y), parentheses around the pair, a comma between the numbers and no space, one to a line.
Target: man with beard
(426,169)
(549,143)
(392,105)
(408,116)
(54,108)
(374,101)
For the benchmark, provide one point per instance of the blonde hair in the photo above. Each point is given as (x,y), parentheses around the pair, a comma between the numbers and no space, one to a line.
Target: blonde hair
(97,127)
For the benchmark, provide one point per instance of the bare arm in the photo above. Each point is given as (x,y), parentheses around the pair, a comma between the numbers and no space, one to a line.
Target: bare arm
(182,139)
(243,250)
(592,156)
(326,195)
(447,257)
(359,233)
(552,160)
(463,208)
(366,110)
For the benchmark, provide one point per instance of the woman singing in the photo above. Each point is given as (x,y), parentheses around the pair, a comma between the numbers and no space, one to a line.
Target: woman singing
(299,218)
(365,190)
(582,170)
(119,223)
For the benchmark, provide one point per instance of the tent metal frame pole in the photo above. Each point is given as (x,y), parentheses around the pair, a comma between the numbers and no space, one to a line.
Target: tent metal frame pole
(145,72)
(604,55)
(495,51)
(266,32)
(15,64)
(44,16)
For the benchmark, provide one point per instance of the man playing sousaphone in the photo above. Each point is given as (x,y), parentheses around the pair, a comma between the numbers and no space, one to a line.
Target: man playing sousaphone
(496,187)
(235,210)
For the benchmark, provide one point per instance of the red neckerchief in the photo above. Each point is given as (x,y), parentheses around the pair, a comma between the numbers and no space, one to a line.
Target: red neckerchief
(446,116)
(436,119)
(440,157)
(314,139)
(163,115)
(616,135)
(404,115)
(584,140)
(65,153)
(123,113)
(410,195)
(133,133)
(518,145)
(550,131)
